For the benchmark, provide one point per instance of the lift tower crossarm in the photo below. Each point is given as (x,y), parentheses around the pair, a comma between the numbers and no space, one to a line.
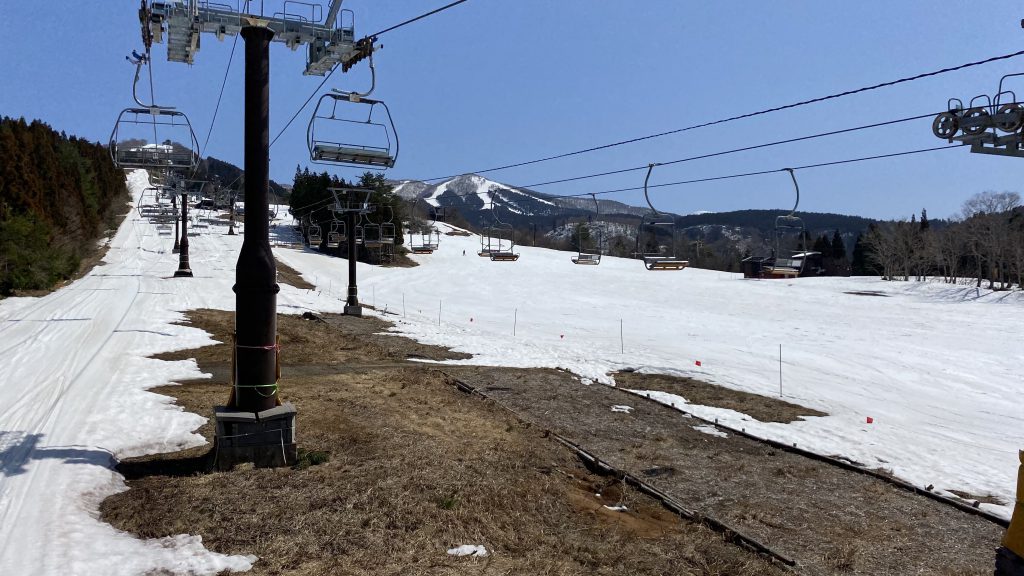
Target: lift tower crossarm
(329,43)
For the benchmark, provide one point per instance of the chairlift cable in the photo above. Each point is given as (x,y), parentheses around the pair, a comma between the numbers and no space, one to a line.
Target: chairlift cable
(420,17)
(304,104)
(735,150)
(740,117)
(763,172)
(220,96)
(732,176)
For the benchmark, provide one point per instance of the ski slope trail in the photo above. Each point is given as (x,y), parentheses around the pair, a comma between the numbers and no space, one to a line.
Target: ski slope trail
(73,400)
(936,367)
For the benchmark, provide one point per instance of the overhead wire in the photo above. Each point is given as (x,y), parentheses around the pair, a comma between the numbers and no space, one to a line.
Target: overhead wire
(420,17)
(216,109)
(739,117)
(733,150)
(763,172)
(732,176)
(329,74)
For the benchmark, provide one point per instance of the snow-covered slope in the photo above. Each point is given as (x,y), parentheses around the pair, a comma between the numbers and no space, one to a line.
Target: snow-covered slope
(936,367)
(73,399)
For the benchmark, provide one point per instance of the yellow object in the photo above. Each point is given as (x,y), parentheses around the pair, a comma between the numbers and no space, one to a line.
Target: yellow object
(1014,539)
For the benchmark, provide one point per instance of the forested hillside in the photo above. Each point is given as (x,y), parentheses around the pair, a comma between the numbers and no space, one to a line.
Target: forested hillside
(58,195)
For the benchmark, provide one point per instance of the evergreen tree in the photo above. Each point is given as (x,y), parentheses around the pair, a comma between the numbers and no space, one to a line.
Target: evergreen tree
(838,246)
(860,266)
(821,244)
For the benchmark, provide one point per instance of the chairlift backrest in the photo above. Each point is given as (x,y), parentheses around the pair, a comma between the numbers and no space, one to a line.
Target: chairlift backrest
(154,138)
(333,138)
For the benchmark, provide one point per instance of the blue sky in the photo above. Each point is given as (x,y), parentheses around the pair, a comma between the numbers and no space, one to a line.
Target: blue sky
(491,82)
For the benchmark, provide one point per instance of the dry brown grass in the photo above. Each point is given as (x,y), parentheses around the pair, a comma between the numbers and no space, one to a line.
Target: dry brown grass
(414,467)
(288,275)
(763,408)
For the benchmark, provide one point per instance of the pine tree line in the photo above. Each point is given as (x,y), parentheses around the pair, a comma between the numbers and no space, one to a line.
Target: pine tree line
(58,194)
(311,200)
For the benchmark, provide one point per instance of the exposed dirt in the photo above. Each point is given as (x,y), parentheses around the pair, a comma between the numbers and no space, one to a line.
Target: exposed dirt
(763,408)
(288,275)
(413,468)
(972,498)
(416,467)
(832,521)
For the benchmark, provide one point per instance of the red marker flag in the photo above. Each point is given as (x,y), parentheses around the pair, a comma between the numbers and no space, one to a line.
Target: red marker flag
(697,362)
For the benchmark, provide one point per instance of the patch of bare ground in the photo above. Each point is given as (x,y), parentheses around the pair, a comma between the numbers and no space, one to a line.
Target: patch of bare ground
(457,233)
(975,498)
(867,293)
(290,276)
(830,520)
(409,467)
(763,408)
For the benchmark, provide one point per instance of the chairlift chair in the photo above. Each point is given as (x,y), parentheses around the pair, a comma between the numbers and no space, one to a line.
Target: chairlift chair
(592,257)
(421,246)
(336,235)
(335,139)
(786,263)
(651,224)
(315,235)
(134,141)
(501,240)
(387,226)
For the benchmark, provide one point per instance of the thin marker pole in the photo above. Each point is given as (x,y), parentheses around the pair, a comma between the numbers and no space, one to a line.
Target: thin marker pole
(403,304)
(780,370)
(438,312)
(515,320)
(622,340)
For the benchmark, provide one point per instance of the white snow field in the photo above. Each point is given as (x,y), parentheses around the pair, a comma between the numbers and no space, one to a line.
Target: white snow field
(73,398)
(936,367)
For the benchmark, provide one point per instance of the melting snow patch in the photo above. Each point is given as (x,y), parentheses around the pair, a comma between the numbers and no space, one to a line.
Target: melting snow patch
(709,429)
(468,550)
(619,508)
(622,408)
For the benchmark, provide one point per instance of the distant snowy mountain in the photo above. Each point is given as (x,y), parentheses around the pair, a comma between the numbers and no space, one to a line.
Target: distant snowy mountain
(474,196)
(481,202)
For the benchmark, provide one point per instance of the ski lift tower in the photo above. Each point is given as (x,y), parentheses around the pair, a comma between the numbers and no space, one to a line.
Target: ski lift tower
(254,427)
(352,202)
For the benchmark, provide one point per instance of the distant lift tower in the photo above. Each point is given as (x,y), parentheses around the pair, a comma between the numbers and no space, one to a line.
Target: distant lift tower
(352,202)
(254,426)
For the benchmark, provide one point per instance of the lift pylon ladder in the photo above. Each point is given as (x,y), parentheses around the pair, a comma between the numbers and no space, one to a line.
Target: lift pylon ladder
(330,38)
(656,258)
(591,257)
